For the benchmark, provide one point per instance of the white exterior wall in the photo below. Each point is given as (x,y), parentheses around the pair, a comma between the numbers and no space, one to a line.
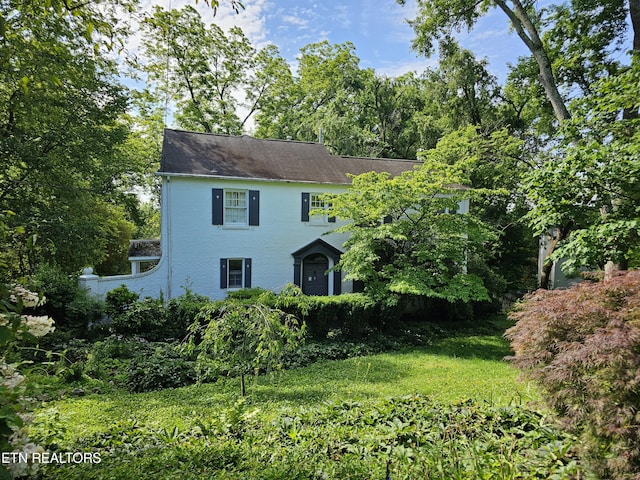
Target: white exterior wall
(191,253)
(196,245)
(152,283)
(192,246)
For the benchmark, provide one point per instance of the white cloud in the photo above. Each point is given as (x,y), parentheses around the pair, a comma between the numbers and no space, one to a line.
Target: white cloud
(396,69)
(294,20)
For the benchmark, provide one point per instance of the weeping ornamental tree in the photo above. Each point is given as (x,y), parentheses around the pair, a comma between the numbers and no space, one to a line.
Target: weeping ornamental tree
(240,340)
(406,237)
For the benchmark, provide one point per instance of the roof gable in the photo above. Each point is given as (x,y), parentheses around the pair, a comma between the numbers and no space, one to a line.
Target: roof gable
(206,154)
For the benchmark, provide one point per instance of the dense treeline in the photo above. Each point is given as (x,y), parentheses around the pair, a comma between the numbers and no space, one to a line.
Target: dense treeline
(559,136)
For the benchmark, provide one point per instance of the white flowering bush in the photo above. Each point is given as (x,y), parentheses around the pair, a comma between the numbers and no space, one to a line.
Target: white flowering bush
(17,326)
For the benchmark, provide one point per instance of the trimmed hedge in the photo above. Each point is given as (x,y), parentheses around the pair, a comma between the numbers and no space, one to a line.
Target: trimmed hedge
(353,314)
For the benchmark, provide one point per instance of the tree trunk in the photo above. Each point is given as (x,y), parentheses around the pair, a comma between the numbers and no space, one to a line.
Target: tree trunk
(547,266)
(527,31)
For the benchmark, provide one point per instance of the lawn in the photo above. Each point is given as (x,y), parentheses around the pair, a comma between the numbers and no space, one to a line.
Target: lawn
(454,409)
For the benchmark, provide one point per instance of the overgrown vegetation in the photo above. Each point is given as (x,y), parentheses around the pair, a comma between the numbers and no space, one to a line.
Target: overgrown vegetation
(405,437)
(448,409)
(340,398)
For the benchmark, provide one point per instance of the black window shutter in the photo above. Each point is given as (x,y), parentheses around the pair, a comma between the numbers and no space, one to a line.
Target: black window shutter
(247,273)
(218,206)
(305,206)
(254,207)
(223,273)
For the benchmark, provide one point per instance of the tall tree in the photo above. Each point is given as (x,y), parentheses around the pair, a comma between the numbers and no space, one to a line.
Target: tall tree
(439,19)
(216,79)
(321,102)
(392,113)
(60,103)
(592,184)
(564,37)
(466,91)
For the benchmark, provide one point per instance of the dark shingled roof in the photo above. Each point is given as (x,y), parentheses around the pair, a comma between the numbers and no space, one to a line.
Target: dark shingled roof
(207,154)
(145,248)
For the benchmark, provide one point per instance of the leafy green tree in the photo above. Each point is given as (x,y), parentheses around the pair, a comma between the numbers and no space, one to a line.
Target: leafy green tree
(216,80)
(402,115)
(496,161)
(405,237)
(323,101)
(592,184)
(60,104)
(439,19)
(569,52)
(585,39)
(237,339)
(464,90)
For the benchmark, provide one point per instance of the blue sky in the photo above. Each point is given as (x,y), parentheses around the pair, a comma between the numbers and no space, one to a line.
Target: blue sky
(377,28)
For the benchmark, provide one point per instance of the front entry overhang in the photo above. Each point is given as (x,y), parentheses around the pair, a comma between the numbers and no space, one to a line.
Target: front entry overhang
(316,247)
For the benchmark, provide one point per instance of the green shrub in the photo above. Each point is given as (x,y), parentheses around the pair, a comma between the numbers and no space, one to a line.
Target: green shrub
(108,359)
(119,300)
(582,345)
(246,293)
(72,307)
(151,318)
(495,284)
(164,368)
(146,319)
(353,313)
(180,312)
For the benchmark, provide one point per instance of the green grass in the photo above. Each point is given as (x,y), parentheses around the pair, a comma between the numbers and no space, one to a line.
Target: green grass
(450,370)
(452,410)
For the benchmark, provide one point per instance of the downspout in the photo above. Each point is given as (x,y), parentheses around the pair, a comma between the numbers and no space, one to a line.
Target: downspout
(167,228)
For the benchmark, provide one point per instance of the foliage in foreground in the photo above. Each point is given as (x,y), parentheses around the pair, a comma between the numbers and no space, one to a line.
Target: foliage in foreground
(406,437)
(583,347)
(16,327)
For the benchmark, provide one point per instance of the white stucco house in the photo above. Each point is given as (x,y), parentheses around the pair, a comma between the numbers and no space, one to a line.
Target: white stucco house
(235,214)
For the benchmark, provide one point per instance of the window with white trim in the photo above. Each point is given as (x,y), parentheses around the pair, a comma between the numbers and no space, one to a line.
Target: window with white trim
(317,203)
(235,207)
(235,273)
(311,202)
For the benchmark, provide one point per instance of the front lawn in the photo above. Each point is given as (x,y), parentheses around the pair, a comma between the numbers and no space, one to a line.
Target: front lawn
(453,409)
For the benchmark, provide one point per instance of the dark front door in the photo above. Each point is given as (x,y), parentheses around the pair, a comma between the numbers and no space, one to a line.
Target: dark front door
(314,279)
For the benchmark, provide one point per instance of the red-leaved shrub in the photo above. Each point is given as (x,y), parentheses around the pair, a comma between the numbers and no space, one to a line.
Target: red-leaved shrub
(582,346)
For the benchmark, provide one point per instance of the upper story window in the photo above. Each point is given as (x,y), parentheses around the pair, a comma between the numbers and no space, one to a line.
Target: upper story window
(235,207)
(311,202)
(317,202)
